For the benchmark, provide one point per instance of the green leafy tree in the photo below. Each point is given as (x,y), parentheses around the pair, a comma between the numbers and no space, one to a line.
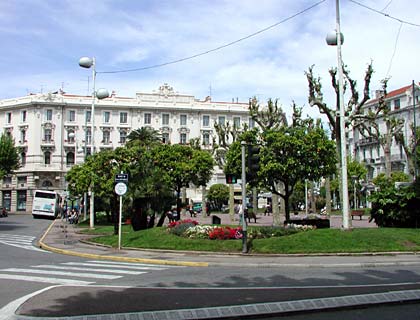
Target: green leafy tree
(144,136)
(218,194)
(294,154)
(183,165)
(9,155)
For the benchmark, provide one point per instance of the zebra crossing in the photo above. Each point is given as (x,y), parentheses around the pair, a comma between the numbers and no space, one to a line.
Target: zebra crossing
(19,241)
(78,273)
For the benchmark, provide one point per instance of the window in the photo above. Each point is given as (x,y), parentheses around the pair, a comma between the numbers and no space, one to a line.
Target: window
(88,136)
(23,116)
(21,200)
(9,117)
(21,180)
(237,122)
(107,116)
(70,158)
(47,184)
(47,157)
(397,103)
(47,135)
(123,117)
(222,120)
(206,138)
(72,116)
(183,138)
(22,136)
(206,121)
(183,120)
(88,116)
(147,118)
(251,123)
(165,119)
(23,158)
(48,114)
(165,138)
(7,180)
(106,137)
(123,136)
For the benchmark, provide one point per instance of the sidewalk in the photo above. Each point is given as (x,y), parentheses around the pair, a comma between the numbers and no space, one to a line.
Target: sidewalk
(62,237)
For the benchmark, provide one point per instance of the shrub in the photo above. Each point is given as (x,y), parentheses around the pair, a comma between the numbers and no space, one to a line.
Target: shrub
(392,207)
(269,232)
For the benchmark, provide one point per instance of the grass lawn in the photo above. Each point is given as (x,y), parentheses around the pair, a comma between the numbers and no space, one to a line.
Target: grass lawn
(314,241)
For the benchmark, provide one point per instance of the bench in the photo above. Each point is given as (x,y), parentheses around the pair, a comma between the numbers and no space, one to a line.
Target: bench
(358,213)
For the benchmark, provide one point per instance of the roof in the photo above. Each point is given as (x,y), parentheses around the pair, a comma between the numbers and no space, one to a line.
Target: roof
(392,94)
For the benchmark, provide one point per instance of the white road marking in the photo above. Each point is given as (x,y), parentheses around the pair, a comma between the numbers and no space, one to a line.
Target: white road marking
(42,279)
(89,269)
(61,273)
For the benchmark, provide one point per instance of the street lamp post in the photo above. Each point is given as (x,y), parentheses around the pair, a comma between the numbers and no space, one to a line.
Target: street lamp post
(337,39)
(86,62)
(354,192)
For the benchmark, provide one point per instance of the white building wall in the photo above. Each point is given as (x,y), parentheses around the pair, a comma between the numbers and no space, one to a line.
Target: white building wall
(68,113)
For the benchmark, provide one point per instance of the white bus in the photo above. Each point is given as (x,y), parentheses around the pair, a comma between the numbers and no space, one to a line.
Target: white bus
(46,204)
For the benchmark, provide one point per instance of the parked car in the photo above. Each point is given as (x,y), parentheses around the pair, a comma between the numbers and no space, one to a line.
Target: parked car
(197,207)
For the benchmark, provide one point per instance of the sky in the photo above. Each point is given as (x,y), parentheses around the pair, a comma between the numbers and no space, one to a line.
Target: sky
(42,42)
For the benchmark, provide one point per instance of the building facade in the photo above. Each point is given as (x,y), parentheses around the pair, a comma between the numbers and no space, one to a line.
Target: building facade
(54,129)
(403,104)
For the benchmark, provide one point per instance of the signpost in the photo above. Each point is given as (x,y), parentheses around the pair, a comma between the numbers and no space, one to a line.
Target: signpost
(121,181)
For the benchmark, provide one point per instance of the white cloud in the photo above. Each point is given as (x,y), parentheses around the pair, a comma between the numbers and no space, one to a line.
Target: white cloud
(128,34)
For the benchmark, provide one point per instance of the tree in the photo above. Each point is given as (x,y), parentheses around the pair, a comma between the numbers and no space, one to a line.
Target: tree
(411,148)
(227,135)
(218,194)
(352,107)
(369,126)
(144,136)
(9,155)
(183,165)
(294,154)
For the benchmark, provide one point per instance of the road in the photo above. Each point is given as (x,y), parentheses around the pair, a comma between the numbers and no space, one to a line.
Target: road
(113,286)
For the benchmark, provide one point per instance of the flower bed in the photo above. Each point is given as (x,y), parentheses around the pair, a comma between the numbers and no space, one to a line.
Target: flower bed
(191,229)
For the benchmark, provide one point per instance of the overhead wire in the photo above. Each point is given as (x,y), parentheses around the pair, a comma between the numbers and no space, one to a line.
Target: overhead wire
(219,47)
(395,50)
(385,14)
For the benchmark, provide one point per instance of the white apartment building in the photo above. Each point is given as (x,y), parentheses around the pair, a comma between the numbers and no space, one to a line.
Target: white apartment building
(53,129)
(368,150)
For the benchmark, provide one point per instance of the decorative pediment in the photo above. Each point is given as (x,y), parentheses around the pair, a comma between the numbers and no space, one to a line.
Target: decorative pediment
(166,129)
(183,130)
(48,125)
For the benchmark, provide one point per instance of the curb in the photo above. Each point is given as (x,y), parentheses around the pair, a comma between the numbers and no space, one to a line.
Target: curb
(44,246)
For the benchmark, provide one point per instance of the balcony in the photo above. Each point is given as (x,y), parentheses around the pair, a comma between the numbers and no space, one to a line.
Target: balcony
(367,141)
(47,143)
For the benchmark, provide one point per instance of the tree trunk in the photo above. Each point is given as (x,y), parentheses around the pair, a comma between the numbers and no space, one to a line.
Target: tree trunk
(328,195)
(184,200)
(275,209)
(255,200)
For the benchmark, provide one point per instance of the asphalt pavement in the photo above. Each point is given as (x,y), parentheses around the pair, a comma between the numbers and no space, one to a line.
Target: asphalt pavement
(64,238)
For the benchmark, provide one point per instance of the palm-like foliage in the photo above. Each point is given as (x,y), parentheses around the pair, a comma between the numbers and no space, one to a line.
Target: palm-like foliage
(144,136)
